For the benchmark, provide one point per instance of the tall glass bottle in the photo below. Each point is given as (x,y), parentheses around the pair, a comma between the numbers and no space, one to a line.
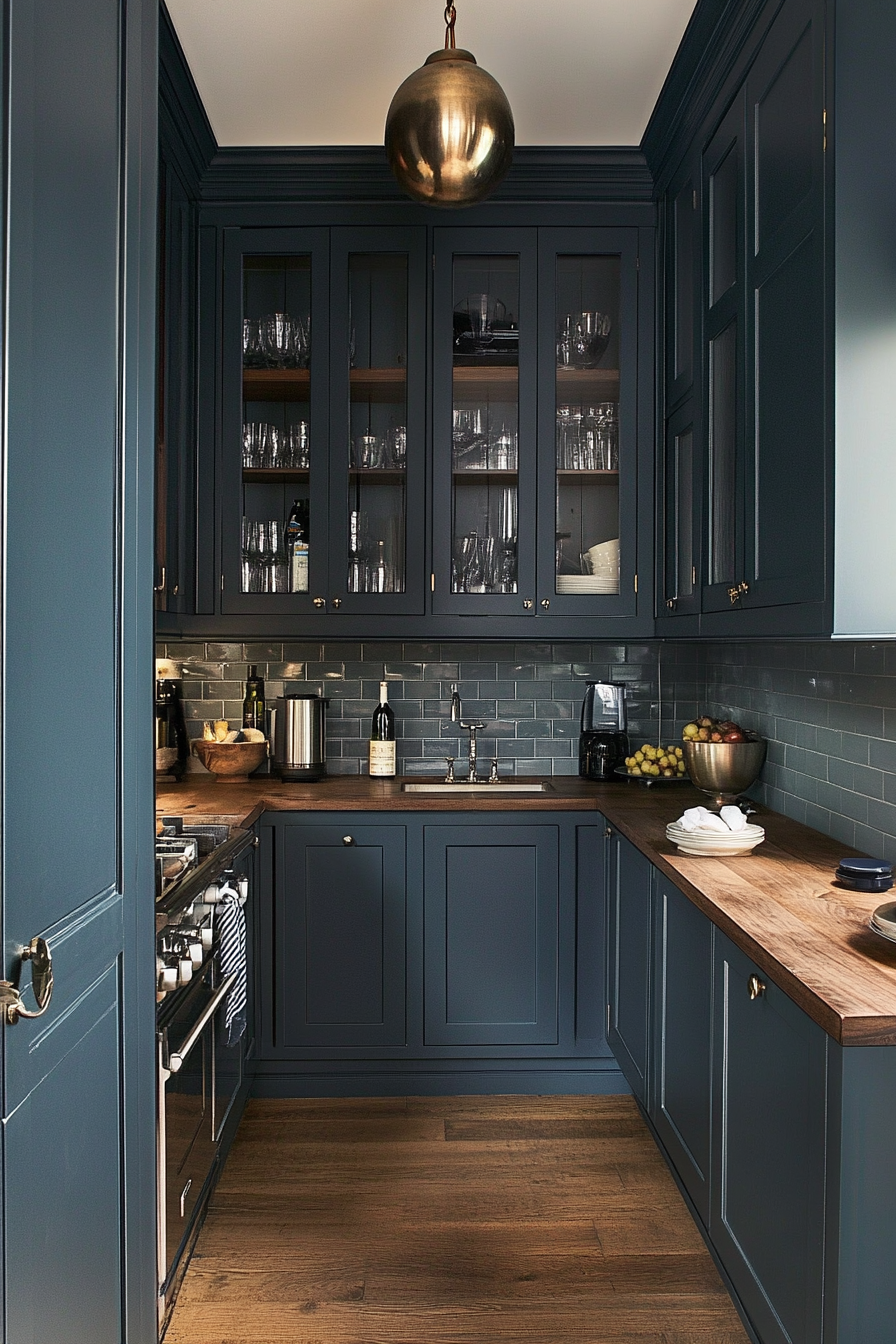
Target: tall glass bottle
(253,705)
(382,738)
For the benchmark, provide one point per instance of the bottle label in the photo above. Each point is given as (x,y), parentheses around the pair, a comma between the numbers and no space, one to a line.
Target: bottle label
(382,758)
(299,576)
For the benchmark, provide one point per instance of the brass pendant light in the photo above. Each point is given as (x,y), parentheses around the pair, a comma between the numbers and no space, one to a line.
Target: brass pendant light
(449,128)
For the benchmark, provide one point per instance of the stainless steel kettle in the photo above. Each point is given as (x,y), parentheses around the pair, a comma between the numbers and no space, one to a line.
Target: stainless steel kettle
(298,729)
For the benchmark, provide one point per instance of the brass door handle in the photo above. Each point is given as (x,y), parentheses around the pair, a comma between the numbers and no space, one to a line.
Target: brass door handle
(756,987)
(11,1004)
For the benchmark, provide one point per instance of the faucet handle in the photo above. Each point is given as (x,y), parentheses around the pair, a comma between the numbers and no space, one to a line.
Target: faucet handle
(493,774)
(449,773)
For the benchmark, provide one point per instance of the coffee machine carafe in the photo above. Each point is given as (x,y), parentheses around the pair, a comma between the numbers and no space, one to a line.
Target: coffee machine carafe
(603,741)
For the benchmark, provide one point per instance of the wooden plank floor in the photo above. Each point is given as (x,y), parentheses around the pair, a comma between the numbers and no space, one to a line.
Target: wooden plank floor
(461,1220)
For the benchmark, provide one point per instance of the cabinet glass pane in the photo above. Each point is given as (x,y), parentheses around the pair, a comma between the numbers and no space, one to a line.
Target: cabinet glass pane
(377,423)
(679,529)
(276,442)
(723,226)
(723,455)
(485,424)
(587,428)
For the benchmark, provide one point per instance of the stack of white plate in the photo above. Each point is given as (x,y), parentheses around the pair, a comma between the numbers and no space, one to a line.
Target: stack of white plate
(883,920)
(586,583)
(714,843)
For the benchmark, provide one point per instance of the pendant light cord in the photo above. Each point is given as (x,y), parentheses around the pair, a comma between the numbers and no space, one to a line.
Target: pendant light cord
(450,18)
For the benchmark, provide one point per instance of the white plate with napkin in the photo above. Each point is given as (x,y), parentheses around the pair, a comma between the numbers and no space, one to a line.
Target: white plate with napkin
(723,834)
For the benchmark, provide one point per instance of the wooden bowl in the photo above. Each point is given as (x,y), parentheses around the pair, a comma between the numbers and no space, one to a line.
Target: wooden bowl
(230,762)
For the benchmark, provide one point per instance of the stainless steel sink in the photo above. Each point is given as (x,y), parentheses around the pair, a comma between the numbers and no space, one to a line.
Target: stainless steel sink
(463,786)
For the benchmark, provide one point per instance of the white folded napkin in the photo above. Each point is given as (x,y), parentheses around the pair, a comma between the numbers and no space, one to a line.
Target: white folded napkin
(733,818)
(701,819)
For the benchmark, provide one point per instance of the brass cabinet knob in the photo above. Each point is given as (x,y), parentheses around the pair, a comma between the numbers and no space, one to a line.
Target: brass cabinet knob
(671,603)
(527,603)
(609,832)
(337,602)
(320,602)
(348,839)
(545,602)
(733,595)
(756,987)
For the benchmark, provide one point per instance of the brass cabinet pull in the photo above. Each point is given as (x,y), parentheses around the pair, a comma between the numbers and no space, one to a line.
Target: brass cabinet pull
(319,602)
(739,591)
(670,603)
(545,602)
(756,987)
(609,832)
(527,603)
(160,587)
(733,595)
(11,1004)
(337,602)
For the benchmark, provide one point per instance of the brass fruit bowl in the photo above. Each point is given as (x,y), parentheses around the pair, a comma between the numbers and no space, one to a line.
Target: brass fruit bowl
(230,762)
(723,769)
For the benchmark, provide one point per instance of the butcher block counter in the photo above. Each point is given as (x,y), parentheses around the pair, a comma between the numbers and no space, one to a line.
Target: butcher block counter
(780,904)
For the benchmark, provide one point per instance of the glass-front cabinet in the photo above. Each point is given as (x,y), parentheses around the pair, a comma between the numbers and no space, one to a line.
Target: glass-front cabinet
(535,421)
(323,436)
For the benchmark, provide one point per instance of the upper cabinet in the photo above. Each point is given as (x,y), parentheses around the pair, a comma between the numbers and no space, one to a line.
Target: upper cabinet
(322,439)
(745,471)
(430,422)
(535,337)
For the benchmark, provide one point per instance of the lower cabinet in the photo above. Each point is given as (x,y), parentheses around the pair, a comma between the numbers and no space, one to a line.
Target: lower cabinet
(433,951)
(338,969)
(629,933)
(681,1027)
(491,920)
(768,1203)
(780,1137)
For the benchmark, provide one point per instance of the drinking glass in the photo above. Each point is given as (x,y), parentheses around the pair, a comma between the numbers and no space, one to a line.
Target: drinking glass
(250,557)
(396,447)
(297,448)
(253,355)
(368,451)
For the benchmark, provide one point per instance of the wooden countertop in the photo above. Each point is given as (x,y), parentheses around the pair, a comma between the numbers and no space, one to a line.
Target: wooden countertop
(780,904)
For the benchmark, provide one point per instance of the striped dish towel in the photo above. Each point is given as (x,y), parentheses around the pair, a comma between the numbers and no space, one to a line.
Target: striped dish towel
(231,922)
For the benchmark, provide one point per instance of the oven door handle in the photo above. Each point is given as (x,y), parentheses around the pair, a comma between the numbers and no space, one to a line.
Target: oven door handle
(177,1058)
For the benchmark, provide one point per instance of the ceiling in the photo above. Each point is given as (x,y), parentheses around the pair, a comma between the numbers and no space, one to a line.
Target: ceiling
(323,72)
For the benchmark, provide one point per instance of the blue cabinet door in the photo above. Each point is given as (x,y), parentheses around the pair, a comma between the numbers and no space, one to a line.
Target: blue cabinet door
(768,1203)
(682,1063)
(491,930)
(338,936)
(77,1114)
(629,882)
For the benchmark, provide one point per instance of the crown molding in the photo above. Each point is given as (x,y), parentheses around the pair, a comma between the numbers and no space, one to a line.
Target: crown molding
(712,46)
(184,129)
(361,174)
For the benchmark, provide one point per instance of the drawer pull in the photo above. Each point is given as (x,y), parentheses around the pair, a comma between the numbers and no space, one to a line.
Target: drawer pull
(348,839)
(756,987)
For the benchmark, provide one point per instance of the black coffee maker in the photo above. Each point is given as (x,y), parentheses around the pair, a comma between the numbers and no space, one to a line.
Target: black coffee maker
(603,741)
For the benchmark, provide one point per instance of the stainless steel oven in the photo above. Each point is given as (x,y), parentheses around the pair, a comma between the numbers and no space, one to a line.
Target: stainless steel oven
(200,1075)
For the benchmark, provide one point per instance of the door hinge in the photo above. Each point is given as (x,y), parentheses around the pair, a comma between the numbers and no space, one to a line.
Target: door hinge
(222,583)
(432,583)
(694,198)
(433,260)
(608,1019)
(693,576)
(824,132)
(636,583)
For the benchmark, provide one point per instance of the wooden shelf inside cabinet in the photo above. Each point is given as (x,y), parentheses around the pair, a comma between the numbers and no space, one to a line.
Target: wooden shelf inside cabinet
(569,475)
(576,385)
(276,384)
(378,475)
(480,474)
(499,382)
(295,384)
(275,475)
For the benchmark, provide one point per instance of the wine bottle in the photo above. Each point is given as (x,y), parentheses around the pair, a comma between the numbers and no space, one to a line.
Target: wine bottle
(297,546)
(382,738)
(253,705)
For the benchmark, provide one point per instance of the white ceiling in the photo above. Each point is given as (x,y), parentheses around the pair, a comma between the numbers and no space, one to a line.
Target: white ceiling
(323,72)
